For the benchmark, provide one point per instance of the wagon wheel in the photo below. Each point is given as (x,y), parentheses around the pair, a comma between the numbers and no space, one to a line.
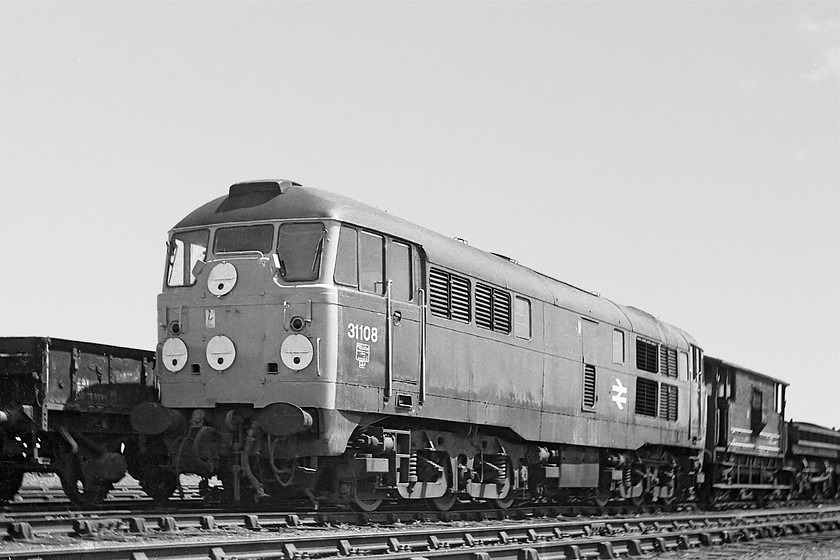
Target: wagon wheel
(86,493)
(443,503)
(158,482)
(10,483)
(830,488)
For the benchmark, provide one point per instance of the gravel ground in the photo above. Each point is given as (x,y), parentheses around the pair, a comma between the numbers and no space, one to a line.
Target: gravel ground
(816,546)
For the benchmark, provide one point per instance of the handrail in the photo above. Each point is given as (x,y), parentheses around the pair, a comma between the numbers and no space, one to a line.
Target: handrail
(422,396)
(389,344)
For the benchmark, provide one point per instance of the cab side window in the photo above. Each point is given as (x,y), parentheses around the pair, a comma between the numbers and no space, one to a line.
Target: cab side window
(346,265)
(366,260)
(371,260)
(398,270)
(757,410)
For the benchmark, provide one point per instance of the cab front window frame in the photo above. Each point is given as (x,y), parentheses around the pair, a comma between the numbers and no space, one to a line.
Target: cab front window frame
(185,249)
(249,238)
(300,251)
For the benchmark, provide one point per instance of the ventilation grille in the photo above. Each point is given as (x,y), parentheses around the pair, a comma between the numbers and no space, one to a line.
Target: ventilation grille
(668,359)
(646,356)
(589,386)
(484,306)
(668,401)
(492,308)
(501,311)
(646,392)
(439,292)
(460,298)
(449,295)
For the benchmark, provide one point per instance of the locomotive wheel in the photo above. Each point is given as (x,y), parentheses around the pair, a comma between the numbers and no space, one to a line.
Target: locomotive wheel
(449,499)
(10,483)
(158,483)
(507,500)
(601,498)
(640,500)
(444,503)
(366,503)
(636,501)
(361,500)
(502,503)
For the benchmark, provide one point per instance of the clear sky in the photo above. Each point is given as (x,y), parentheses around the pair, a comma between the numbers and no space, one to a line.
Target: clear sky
(679,157)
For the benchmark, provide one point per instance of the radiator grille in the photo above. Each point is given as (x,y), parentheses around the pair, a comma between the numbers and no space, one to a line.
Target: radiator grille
(646,356)
(501,311)
(668,400)
(484,306)
(492,308)
(646,393)
(460,299)
(668,361)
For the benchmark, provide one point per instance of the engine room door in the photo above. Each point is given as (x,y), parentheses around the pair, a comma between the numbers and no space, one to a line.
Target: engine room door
(403,327)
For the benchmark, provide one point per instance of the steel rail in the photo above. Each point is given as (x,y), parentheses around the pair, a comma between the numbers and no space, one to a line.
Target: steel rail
(554,539)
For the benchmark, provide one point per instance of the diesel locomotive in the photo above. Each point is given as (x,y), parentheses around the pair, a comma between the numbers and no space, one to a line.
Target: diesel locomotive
(313,346)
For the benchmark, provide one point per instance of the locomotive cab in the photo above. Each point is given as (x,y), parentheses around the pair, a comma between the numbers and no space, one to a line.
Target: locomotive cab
(265,324)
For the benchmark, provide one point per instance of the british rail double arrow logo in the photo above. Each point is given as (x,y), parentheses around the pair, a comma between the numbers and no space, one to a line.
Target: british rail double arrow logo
(619,398)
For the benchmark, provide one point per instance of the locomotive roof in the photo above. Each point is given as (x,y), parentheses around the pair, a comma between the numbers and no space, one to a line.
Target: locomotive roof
(746,370)
(280,200)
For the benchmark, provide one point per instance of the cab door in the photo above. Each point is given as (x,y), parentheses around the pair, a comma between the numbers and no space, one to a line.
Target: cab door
(697,403)
(403,327)
(380,311)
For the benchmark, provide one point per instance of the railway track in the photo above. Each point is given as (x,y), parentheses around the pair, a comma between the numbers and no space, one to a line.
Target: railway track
(811,546)
(41,493)
(402,536)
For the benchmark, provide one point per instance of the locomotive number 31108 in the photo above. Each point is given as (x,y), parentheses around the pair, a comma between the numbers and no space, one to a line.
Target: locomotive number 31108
(362,332)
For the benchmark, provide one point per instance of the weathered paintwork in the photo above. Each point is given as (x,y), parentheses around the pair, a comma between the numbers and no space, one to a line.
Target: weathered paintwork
(46,377)
(64,407)
(472,375)
(733,426)
(471,401)
(814,442)
(745,434)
